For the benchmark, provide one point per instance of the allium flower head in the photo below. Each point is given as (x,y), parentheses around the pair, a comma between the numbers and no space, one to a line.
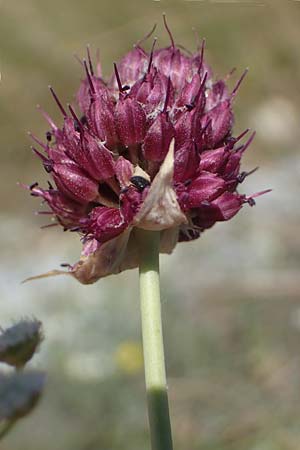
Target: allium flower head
(151,147)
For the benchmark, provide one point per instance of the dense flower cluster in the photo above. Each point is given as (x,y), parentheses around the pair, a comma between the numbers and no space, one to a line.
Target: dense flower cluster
(152,148)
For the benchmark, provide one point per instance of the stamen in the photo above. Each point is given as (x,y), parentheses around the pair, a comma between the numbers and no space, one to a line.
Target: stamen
(35,139)
(202,85)
(121,89)
(78,59)
(48,136)
(98,65)
(146,37)
(168,30)
(230,74)
(33,185)
(76,119)
(241,177)
(257,194)
(240,136)
(90,59)
(49,225)
(245,146)
(47,118)
(209,122)
(239,83)
(167,95)
(58,102)
(151,55)
(184,49)
(39,154)
(201,55)
(74,229)
(89,77)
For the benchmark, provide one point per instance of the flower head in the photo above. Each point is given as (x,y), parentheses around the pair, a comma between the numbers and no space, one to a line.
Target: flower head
(151,148)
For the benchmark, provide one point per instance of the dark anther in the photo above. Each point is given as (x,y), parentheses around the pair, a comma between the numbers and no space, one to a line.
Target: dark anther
(83,120)
(125,88)
(48,165)
(76,126)
(251,201)
(140,182)
(48,136)
(65,265)
(190,106)
(33,185)
(241,177)
(74,229)
(50,185)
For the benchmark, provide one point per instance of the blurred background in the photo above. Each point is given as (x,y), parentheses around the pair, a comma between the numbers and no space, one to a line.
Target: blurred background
(230,300)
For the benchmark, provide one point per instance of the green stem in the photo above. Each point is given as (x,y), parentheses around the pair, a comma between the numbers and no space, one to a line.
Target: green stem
(6,429)
(154,360)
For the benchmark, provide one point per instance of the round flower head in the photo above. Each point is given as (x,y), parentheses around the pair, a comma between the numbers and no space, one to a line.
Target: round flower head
(151,148)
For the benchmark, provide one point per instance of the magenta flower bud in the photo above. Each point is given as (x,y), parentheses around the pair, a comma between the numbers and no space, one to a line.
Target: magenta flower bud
(214,160)
(67,211)
(99,160)
(73,182)
(124,171)
(158,138)
(84,97)
(189,92)
(186,163)
(161,96)
(141,90)
(221,121)
(216,94)
(105,223)
(174,64)
(131,67)
(183,129)
(131,201)
(152,148)
(206,187)
(101,119)
(227,205)
(130,121)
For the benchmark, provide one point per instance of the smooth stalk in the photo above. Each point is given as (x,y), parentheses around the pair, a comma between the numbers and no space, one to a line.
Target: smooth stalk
(154,360)
(6,429)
